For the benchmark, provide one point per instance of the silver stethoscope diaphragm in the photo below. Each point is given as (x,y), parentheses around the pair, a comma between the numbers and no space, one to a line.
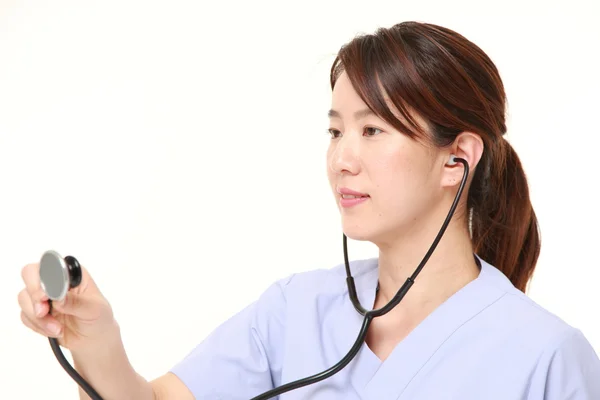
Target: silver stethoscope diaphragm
(58,274)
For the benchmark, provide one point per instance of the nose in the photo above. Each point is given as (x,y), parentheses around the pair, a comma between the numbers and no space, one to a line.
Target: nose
(343,157)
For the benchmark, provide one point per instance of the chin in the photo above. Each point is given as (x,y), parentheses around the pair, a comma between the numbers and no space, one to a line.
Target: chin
(375,231)
(359,232)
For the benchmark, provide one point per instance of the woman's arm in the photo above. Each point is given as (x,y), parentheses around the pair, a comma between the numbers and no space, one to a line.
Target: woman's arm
(108,370)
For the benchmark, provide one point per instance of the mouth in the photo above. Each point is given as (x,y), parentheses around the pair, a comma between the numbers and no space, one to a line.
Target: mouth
(350,192)
(351,198)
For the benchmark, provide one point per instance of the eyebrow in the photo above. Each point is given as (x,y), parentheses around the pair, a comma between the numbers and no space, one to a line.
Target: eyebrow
(357,115)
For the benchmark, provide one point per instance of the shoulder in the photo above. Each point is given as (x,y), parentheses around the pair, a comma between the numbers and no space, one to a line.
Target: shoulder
(568,368)
(529,330)
(550,334)
(519,312)
(325,281)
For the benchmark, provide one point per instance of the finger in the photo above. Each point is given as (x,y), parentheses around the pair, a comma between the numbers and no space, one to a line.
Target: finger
(33,310)
(47,326)
(31,277)
(78,306)
(29,324)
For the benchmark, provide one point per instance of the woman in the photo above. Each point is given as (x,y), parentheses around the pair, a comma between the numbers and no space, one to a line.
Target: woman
(405,101)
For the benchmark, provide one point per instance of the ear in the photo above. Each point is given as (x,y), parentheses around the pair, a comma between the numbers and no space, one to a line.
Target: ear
(468,146)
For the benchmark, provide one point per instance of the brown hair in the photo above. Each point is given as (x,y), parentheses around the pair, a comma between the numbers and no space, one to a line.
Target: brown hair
(454,86)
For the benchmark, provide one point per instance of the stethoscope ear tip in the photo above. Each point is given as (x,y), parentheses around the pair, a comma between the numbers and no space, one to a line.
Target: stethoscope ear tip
(455,160)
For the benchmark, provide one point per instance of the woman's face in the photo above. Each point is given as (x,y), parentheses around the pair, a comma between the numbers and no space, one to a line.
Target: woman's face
(385,183)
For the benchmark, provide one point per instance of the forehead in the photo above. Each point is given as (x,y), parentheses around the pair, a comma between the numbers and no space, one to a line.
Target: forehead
(345,100)
(344,95)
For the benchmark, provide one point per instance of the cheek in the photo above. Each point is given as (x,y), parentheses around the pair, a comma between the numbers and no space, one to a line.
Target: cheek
(389,169)
(401,180)
(328,166)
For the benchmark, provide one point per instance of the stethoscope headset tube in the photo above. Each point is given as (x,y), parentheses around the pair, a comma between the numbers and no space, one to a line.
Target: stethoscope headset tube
(73,268)
(370,314)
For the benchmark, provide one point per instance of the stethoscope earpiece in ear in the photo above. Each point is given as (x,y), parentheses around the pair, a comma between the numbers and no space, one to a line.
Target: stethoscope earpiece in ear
(58,275)
(452,160)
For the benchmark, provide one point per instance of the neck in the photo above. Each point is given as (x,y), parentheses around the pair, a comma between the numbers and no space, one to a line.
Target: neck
(450,267)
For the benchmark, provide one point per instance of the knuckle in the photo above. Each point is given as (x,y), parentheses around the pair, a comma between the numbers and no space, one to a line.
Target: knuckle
(22,298)
(28,323)
(36,296)
(26,320)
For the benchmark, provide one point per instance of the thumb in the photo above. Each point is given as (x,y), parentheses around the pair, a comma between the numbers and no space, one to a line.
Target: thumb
(78,305)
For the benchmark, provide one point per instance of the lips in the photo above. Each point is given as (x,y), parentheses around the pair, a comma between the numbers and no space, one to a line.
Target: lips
(349,193)
(351,198)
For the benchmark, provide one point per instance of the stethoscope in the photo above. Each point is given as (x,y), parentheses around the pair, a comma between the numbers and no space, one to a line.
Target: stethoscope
(58,275)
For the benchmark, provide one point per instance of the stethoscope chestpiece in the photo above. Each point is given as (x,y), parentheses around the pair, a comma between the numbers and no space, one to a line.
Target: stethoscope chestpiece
(58,275)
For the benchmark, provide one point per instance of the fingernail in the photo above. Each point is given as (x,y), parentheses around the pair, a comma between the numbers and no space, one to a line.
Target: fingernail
(38,309)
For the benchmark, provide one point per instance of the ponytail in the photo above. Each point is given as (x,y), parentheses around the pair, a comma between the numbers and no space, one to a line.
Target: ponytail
(504,226)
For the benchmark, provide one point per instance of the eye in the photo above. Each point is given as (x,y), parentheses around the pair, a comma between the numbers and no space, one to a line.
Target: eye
(371,131)
(334,133)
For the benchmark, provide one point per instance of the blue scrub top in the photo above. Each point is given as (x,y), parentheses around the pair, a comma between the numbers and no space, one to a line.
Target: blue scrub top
(489,341)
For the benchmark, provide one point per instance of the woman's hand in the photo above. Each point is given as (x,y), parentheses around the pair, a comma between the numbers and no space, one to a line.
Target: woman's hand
(83,319)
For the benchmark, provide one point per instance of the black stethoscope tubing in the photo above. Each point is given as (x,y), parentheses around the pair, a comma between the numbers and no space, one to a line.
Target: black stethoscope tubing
(368,314)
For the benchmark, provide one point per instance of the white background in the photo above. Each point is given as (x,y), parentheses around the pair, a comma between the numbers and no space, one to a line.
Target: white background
(177,149)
